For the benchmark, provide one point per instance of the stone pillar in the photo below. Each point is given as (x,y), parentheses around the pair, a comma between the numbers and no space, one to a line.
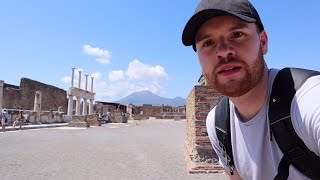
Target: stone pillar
(84,108)
(3,128)
(1,94)
(129,110)
(78,105)
(72,77)
(86,83)
(37,103)
(79,86)
(70,106)
(91,84)
(91,107)
(199,151)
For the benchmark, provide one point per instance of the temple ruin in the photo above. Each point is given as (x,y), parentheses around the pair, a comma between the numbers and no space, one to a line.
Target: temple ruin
(83,116)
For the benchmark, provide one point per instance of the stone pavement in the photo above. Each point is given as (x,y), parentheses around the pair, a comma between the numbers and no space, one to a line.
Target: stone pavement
(35,126)
(143,150)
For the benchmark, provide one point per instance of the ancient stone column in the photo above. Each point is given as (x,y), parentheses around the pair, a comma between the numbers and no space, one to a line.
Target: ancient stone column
(78,106)
(91,107)
(3,128)
(91,84)
(70,105)
(72,77)
(1,94)
(86,82)
(79,80)
(84,108)
(130,107)
(37,103)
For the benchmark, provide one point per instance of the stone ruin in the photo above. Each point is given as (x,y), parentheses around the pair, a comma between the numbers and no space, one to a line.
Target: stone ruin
(198,149)
(34,116)
(147,111)
(83,116)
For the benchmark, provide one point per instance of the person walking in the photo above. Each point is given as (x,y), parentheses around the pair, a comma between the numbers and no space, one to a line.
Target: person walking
(4,119)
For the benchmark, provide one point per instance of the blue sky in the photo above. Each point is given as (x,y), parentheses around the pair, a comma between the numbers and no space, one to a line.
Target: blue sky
(134,45)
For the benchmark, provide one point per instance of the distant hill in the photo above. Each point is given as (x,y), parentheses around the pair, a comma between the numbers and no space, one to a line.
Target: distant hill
(147,97)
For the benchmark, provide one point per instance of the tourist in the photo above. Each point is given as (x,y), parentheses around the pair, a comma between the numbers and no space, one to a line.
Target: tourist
(19,119)
(4,119)
(230,41)
(5,116)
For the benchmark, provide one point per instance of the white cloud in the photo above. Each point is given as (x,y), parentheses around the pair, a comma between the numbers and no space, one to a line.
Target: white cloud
(94,51)
(102,56)
(120,83)
(103,61)
(140,71)
(66,79)
(116,75)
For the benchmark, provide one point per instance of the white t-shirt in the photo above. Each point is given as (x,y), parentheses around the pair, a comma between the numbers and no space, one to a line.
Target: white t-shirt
(255,156)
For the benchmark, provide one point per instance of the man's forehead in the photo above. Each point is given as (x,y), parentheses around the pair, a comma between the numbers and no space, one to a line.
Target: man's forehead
(227,23)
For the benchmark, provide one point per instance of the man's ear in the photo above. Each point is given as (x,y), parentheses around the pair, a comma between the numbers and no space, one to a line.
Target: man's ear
(264,42)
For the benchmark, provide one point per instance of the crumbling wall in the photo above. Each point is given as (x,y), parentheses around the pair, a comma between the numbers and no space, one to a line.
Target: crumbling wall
(11,98)
(146,111)
(23,98)
(200,154)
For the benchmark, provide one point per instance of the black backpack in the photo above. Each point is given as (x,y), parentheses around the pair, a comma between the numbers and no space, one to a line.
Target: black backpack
(286,83)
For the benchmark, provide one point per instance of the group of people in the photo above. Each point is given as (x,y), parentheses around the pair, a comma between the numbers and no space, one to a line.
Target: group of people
(104,117)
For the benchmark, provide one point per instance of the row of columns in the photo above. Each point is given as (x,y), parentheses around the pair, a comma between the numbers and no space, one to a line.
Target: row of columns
(79,84)
(78,106)
(78,99)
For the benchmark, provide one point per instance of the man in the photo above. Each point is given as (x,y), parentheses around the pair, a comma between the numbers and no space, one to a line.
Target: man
(4,116)
(230,41)
(4,119)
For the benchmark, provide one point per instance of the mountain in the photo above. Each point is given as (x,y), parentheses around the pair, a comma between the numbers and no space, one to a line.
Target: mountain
(147,97)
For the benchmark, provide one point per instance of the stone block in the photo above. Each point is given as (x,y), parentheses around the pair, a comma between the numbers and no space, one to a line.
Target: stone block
(93,120)
(78,121)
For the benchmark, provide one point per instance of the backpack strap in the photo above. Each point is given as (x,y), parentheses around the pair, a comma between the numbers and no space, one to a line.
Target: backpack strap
(222,124)
(285,85)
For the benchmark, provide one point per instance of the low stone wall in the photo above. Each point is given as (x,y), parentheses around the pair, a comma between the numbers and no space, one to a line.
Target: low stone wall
(34,117)
(78,121)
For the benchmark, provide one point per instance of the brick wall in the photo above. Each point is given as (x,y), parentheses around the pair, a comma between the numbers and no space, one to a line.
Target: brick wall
(52,97)
(200,154)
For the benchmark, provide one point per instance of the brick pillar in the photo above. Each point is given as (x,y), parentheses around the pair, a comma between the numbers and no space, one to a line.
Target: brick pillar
(198,149)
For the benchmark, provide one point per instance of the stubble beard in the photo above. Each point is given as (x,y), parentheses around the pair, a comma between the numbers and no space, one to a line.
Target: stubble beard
(237,88)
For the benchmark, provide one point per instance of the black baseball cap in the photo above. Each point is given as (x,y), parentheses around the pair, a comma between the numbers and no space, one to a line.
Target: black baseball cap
(208,9)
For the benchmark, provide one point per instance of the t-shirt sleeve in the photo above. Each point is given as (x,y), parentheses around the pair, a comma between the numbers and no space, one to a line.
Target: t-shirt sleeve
(305,111)
(210,124)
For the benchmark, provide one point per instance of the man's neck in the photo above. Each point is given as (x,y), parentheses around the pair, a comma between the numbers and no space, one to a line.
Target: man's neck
(249,104)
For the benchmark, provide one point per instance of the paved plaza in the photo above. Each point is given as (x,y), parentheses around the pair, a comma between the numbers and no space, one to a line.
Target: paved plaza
(148,150)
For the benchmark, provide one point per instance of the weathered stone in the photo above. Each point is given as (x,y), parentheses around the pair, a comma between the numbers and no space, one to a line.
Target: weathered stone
(17,97)
(200,154)
(93,120)
(78,121)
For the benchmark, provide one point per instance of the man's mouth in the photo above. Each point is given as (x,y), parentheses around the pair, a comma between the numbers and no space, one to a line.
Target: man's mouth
(229,70)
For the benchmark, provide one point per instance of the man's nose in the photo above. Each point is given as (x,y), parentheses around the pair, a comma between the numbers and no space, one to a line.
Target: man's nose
(224,50)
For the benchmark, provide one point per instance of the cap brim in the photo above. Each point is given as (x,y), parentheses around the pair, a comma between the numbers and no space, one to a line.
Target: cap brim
(194,23)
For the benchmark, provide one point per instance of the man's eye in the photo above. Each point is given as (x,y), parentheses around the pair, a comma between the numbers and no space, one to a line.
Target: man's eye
(208,43)
(237,34)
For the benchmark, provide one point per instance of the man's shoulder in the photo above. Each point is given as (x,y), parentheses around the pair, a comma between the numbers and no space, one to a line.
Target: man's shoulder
(211,117)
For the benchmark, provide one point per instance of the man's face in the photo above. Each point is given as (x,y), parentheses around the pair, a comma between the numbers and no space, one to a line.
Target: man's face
(230,52)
